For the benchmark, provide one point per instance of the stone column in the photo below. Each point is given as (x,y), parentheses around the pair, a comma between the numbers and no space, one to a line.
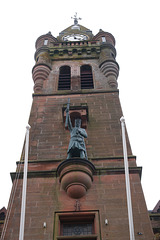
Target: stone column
(108,65)
(39,73)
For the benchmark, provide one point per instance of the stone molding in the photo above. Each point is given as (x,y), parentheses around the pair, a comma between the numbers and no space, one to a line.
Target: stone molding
(98,171)
(75,176)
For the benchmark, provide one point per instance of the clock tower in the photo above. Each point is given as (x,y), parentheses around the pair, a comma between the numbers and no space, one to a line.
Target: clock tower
(76,178)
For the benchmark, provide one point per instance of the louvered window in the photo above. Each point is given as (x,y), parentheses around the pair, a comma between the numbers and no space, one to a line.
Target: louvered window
(86,77)
(64,78)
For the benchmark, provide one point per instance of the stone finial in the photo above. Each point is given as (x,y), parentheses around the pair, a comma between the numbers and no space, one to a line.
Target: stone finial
(76,19)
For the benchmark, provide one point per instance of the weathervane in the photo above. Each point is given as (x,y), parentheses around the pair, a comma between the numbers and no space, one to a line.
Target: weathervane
(76,19)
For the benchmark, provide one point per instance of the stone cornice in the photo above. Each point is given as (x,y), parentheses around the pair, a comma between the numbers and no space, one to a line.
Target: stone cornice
(70,92)
(60,48)
(80,49)
(98,171)
(90,159)
(154,215)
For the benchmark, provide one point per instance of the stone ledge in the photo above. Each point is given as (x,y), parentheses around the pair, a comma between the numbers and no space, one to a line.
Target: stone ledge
(35,174)
(80,237)
(40,161)
(111,157)
(98,171)
(70,92)
(113,171)
(154,215)
(90,159)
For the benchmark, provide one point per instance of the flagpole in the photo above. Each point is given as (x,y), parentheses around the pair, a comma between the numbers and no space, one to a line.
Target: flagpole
(128,191)
(23,203)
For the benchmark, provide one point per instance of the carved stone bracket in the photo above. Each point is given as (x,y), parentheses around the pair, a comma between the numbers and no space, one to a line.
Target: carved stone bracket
(75,176)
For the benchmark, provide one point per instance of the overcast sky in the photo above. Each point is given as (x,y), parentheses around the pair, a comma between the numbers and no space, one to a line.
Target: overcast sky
(135,25)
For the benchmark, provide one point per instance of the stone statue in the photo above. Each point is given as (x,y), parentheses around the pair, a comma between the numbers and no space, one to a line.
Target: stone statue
(76,146)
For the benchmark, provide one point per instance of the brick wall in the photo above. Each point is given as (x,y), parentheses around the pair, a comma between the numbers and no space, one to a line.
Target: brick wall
(49,139)
(107,196)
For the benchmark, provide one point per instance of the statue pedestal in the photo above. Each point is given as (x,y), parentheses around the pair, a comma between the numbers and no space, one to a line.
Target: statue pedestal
(76,176)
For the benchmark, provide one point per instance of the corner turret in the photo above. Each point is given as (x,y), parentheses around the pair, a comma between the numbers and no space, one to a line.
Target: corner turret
(107,63)
(42,67)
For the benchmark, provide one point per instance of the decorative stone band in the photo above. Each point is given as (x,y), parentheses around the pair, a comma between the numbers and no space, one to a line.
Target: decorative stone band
(76,176)
(53,173)
(111,70)
(39,73)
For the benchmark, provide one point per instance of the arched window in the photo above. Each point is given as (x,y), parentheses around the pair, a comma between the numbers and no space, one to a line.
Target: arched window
(86,77)
(64,78)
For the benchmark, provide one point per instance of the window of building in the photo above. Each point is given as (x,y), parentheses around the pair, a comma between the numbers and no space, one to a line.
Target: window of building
(86,77)
(112,55)
(2,216)
(158,210)
(77,111)
(45,41)
(77,226)
(64,82)
(103,39)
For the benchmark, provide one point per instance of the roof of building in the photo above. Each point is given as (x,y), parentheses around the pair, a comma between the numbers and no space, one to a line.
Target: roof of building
(157,208)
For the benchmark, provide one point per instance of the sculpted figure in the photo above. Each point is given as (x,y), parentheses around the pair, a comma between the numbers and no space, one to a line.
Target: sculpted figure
(76,146)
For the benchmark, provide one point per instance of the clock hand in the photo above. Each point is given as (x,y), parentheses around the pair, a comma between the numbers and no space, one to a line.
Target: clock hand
(77,38)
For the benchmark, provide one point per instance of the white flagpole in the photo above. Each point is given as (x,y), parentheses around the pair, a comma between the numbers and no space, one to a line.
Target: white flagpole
(128,191)
(23,203)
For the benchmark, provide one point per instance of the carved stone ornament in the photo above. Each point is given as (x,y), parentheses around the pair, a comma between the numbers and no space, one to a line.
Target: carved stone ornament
(77,206)
(76,176)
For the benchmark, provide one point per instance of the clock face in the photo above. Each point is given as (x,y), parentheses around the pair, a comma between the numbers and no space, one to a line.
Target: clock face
(75,37)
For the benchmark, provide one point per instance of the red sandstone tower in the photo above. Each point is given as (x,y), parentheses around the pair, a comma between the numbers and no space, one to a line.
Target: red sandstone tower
(77,198)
